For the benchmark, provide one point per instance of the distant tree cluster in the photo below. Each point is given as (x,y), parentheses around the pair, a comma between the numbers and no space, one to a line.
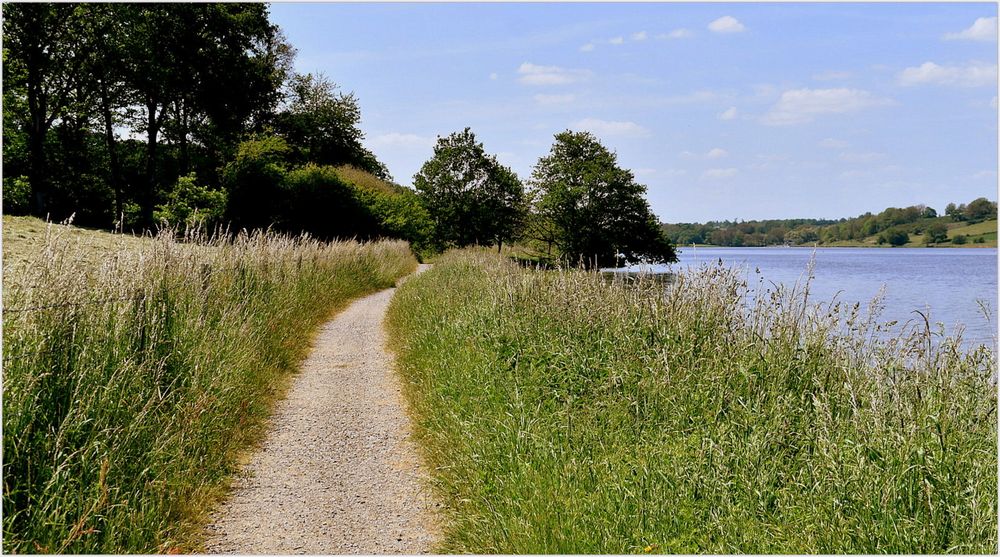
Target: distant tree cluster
(892,226)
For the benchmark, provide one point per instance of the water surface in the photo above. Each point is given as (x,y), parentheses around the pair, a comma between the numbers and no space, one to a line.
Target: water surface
(951,283)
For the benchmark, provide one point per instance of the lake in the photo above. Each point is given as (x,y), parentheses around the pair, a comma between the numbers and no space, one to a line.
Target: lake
(951,282)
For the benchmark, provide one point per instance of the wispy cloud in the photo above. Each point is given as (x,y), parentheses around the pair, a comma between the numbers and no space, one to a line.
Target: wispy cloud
(494,76)
(728,114)
(406,140)
(714,153)
(861,157)
(726,24)
(798,106)
(640,36)
(617,40)
(983,29)
(719,173)
(832,143)
(532,74)
(831,75)
(611,127)
(587,47)
(974,74)
(677,34)
(554,99)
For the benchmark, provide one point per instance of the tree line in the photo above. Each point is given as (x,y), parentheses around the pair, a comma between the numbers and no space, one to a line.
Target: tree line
(130,116)
(891,226)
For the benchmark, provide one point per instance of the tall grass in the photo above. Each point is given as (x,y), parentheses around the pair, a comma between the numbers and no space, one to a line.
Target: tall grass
(565,413)
(133,379)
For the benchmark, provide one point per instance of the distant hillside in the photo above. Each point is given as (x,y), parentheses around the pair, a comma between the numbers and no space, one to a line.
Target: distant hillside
(968,225)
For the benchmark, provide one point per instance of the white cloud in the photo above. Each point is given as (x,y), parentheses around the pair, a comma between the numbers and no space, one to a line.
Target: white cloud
(406,140)
(714,153)
(831,75)
(640,36)
(798,106)
(494,76)
(554,99)
(617,40)
(983,29)
(726,24)
(831,143)
(728,114)
(610,127)
(677,34)
(719,173)
(532,74)
(861,157)
(674,172)
(971,75)
(985,174)
(587,47)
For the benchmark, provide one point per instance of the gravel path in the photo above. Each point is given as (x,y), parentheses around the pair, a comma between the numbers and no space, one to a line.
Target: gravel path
(338,472)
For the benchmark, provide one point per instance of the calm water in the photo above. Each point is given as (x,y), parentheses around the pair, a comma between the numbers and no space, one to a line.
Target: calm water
(950,282)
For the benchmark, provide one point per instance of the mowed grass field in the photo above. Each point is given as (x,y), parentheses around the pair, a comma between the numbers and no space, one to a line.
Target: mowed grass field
(136,371)
(563,413)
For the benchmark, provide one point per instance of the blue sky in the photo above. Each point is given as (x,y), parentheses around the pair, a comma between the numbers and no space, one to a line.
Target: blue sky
(723,111)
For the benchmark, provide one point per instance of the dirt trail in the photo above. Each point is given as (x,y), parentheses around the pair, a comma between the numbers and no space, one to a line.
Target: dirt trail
(338,472)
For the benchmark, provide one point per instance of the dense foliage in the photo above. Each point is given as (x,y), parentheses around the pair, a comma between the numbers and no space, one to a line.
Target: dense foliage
(472,198)
(564,413)
(593,210)
(215,122)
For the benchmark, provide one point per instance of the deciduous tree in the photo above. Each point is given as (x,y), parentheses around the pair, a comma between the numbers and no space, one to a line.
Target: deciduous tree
(598,208)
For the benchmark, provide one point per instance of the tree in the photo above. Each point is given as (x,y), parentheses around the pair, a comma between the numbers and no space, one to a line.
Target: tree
(45,50)
(959,239)
(321,125)
(188,62)
(980,209)
(894,237)
(936,232)
(597,207)
(471,197)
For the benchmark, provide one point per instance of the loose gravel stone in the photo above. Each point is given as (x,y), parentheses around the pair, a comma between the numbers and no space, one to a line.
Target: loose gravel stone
(338,472)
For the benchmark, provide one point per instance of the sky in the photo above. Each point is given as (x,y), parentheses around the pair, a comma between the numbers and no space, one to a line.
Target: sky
(724,111)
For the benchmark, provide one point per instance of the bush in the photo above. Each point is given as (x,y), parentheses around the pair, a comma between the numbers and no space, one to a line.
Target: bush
(959,239)
(254,182)
(325,206)
(192,206)
(16,195)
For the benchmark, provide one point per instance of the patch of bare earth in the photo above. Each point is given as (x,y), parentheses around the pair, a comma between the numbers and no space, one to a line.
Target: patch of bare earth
(338,472)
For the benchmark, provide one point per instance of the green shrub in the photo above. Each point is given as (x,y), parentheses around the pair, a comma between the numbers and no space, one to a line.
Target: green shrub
(16,195)
(959,239)
(192,206)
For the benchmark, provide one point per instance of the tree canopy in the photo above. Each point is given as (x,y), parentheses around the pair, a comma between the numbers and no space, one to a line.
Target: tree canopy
(472,198)
(598,211)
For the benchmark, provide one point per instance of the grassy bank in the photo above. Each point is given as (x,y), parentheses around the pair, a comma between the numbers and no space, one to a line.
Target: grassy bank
(565,414)
(136,370)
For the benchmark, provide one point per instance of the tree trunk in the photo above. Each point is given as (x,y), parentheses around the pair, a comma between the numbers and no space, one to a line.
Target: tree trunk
(148,198)
(109,138)
(37,129)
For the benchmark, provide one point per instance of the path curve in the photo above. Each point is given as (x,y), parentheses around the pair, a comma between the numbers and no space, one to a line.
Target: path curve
(338,472)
